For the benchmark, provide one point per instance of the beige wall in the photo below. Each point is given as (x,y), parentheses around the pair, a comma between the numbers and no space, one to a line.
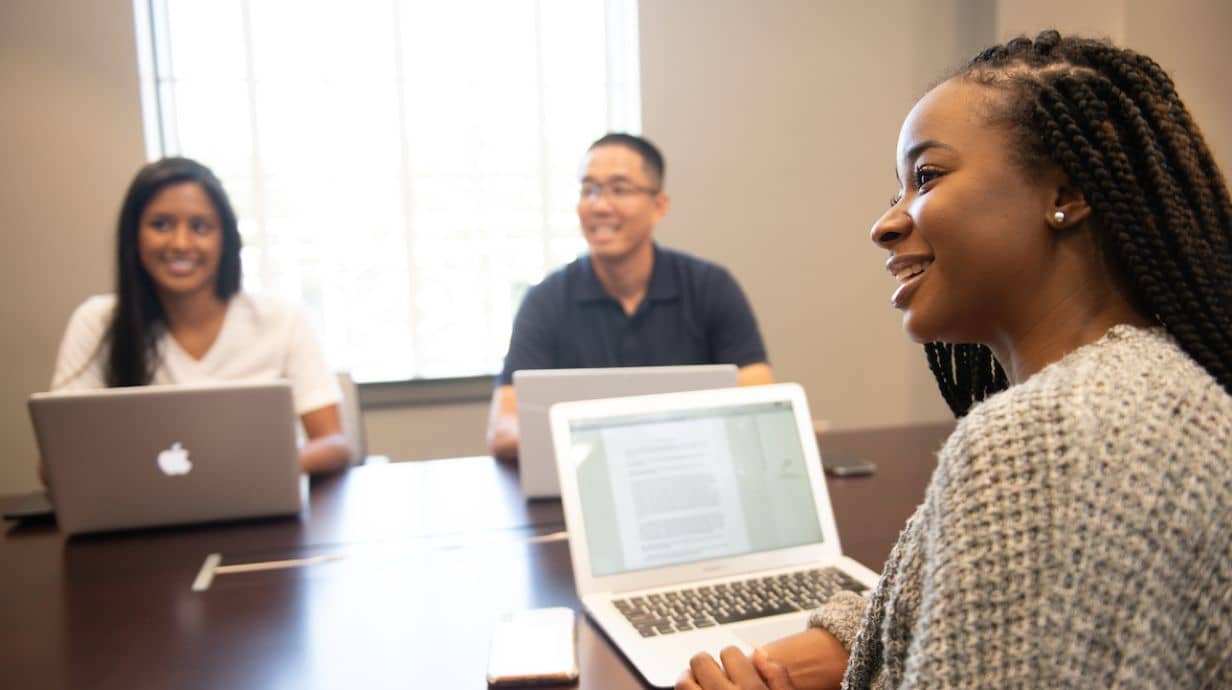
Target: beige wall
(1097,18)
(778,120)
(70,133)
(426,432)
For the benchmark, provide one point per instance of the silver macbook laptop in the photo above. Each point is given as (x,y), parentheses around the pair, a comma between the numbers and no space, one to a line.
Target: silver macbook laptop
(539,389)
(698,521)
(149,456)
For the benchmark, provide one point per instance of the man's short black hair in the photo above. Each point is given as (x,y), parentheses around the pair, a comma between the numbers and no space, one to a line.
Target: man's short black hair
(652,160)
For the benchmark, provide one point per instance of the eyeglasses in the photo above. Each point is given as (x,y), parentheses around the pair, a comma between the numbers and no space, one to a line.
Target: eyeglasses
(617,190)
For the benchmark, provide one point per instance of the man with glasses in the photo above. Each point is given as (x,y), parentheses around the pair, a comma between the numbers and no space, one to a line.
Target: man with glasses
(629,302)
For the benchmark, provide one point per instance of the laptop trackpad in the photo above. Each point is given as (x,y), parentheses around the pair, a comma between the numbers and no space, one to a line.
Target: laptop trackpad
(758,634)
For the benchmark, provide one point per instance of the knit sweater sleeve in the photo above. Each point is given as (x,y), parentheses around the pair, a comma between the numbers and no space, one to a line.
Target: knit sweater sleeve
(840,616)
(1071,539)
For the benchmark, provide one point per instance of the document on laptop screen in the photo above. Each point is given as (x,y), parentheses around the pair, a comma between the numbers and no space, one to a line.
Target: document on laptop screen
(685,486)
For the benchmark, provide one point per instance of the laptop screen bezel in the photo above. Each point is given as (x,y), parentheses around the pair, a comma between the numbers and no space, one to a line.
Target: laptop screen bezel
(562,415)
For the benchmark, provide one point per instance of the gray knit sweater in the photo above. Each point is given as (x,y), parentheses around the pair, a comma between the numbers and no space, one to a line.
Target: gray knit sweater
(1077,532)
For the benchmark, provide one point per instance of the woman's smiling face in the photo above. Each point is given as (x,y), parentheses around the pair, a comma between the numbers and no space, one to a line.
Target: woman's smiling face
(967,235)
(180,240)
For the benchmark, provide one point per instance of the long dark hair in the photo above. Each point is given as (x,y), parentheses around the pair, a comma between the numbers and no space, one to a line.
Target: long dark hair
(139,318)
(1112,120)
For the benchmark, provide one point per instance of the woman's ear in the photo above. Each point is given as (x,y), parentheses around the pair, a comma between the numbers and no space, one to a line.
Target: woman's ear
(1069,207)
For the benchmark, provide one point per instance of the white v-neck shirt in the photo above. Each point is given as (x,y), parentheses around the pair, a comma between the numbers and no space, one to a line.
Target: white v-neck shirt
(261,339)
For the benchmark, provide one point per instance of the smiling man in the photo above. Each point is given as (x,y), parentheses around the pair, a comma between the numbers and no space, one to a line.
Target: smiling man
(628,302)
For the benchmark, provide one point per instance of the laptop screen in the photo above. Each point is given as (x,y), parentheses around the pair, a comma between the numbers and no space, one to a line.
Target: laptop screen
(668,488)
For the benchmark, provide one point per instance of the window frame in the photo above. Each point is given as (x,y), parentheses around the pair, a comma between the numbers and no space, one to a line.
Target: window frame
(159,97)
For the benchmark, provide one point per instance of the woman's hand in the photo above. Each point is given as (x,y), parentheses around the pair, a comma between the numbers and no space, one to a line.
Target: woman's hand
(327,449)
(809,660)
(738,671)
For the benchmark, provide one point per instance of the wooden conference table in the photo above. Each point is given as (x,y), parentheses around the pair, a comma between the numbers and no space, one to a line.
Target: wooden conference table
(408,565)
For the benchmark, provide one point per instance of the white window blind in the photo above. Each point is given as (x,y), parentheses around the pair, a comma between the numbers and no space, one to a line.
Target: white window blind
(405,169)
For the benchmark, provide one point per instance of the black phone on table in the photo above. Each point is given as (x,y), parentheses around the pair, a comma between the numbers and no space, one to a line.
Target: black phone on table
(838,464)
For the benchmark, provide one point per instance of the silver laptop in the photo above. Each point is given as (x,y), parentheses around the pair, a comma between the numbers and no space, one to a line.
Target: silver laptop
(681,506)
(539,389)
(149,456)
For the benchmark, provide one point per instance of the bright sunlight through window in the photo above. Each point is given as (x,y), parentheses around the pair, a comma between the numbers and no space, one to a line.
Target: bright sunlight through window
(404,168)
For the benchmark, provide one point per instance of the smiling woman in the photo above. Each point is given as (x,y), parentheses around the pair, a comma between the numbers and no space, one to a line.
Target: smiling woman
(178,314)
(975,244)
(1062,243)
(180,240)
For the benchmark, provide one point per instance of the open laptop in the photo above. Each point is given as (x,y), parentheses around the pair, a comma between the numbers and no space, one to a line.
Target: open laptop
(147,456)
(539,389)
(671,500)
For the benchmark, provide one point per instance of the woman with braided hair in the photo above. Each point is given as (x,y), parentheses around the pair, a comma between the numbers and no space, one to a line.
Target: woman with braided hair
(1062,242)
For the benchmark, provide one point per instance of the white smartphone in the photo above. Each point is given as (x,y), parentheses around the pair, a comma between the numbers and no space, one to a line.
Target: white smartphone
(534,647)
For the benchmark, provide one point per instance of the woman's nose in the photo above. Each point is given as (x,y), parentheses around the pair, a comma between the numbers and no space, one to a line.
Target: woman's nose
(181,237)
(892,226)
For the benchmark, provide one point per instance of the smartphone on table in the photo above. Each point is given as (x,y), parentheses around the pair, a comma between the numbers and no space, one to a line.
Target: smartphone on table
(534,647)
(838,464)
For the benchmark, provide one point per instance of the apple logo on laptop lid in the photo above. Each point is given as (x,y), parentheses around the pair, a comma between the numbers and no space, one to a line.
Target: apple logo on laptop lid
(174,460)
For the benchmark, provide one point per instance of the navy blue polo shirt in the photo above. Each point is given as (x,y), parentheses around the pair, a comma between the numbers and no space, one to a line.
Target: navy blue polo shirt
(694,312)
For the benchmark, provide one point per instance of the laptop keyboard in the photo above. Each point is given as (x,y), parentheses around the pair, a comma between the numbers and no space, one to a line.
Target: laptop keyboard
(664,613)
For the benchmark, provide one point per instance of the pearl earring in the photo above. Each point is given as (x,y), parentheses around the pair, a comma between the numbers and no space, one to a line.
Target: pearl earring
(1059,217)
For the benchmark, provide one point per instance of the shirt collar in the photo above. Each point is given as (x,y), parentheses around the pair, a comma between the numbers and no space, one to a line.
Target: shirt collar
(664,284)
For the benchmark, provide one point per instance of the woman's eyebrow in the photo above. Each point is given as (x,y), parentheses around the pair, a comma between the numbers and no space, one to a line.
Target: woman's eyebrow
(915,151)
(919,148)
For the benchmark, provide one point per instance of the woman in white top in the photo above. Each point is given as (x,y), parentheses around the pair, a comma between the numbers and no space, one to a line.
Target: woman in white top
(178,315)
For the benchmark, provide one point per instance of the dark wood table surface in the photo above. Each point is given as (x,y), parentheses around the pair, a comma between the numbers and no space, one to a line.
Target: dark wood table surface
(418,559)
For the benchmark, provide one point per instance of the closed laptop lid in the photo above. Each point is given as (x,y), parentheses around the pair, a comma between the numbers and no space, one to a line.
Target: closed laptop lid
(539,389)
(161,455)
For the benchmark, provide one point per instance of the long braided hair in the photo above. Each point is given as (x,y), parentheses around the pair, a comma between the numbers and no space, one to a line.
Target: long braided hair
(1112,120)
